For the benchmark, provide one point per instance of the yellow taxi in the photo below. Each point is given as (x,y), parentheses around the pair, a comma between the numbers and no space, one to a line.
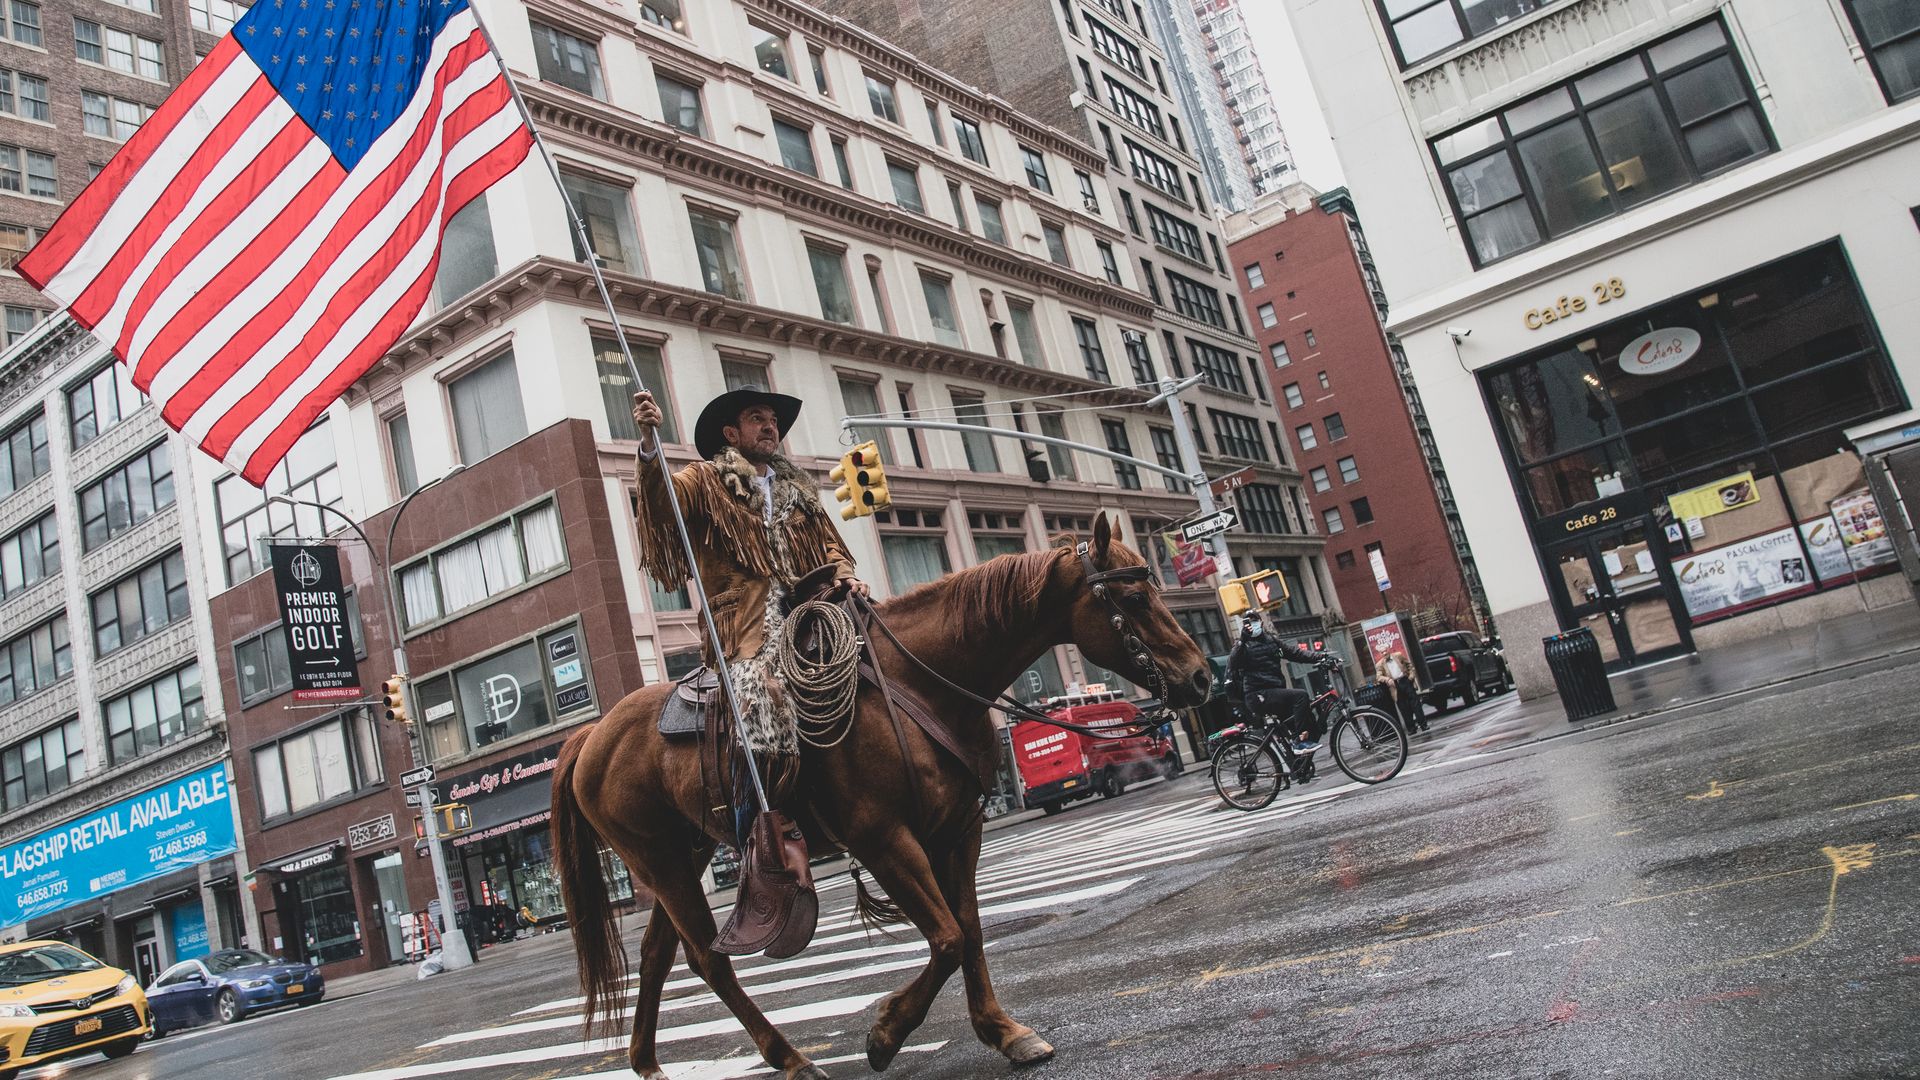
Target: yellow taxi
(56,1001)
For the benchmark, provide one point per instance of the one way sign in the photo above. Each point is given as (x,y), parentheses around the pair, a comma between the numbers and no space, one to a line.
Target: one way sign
(1222,520)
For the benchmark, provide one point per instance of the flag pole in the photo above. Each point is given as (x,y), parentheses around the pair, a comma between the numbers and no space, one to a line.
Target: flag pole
(659,456)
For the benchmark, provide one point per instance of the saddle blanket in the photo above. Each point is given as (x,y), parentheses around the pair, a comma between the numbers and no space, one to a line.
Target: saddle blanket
(685,710)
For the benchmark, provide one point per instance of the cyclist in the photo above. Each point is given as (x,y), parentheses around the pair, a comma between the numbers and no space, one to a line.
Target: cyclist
(1256,669)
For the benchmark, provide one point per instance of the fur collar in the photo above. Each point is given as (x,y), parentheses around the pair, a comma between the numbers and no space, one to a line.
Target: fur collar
(742,481)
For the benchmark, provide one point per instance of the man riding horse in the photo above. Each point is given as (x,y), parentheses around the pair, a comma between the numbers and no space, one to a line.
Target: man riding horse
(757,527)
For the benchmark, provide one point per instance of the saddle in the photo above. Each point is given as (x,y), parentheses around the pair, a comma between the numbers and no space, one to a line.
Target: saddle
(695,695)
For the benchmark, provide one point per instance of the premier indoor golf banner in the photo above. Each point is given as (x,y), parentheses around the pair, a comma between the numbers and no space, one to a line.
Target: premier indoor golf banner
(176,825)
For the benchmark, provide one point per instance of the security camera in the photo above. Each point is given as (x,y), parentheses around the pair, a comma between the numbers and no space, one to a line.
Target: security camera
(1459,333)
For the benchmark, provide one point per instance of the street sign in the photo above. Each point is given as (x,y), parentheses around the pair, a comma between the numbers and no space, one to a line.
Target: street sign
(1224,486)
(413,797)
(421,775)
(1223,565)
(1379,564)
(1221,520)
(313,618)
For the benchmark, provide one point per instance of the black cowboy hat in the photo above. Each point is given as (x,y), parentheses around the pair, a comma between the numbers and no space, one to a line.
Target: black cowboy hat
(724,411)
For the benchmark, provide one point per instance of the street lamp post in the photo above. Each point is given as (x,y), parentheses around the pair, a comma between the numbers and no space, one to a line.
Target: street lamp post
(453,945)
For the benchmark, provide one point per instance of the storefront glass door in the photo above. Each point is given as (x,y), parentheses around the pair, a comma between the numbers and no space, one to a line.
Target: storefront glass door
(390,879)
(1610,582)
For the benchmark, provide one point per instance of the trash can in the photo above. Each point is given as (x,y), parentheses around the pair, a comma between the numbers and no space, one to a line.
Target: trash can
(1579,673)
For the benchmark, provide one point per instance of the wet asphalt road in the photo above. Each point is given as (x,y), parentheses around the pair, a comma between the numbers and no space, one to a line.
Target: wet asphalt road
(1727,892)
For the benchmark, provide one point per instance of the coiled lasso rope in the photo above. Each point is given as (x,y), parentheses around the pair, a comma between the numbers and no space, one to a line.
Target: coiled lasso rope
(825,679)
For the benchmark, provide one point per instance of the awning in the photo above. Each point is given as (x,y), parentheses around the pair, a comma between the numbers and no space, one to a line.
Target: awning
(171,895)
(309,859)
(220,882)
(91,920)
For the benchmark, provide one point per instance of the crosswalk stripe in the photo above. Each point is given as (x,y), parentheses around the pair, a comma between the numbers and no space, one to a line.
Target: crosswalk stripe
(746,974)
(735,1068)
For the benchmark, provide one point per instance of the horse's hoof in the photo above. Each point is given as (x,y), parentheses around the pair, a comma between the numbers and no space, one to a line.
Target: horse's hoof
(809,1071)
(879,1054)
(1028,1049)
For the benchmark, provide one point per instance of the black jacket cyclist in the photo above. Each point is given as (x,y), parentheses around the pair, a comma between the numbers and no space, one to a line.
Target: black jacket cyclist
(1256,669)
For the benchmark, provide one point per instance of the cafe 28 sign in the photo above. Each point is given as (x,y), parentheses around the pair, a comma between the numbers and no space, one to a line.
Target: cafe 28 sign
(1660,351)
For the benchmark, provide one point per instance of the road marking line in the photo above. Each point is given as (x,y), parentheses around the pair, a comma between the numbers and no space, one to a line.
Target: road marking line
(1498,955)
(1877,802)
(731,1068)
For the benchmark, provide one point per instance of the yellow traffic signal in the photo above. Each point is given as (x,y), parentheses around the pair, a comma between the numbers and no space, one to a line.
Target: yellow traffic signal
(455,818)
(1263,590)
(1233,598)
(862,480)
(396,700)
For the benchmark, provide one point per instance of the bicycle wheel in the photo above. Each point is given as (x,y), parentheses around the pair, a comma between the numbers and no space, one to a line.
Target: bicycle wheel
(1246,773)
(1368,745)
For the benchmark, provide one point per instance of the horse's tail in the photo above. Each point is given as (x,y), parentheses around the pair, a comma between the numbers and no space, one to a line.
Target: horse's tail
(596,930)
(875,910)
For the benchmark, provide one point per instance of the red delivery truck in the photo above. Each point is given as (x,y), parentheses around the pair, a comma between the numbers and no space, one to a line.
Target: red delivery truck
(1058,766)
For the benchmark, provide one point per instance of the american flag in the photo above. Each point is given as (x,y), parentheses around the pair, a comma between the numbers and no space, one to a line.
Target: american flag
(275,226)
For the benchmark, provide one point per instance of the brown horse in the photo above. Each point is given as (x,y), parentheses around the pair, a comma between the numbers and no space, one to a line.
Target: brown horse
(619,781)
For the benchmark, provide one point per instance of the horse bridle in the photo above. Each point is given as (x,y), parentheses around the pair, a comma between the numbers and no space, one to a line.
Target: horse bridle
(1097,582)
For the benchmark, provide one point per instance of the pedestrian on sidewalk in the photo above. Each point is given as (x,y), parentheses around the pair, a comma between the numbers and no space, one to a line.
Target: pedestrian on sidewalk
(1398,673)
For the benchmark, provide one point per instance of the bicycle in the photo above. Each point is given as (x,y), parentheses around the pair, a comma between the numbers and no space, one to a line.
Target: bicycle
(1252,766)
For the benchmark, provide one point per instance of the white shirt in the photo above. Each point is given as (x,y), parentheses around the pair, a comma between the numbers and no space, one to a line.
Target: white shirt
(765,480)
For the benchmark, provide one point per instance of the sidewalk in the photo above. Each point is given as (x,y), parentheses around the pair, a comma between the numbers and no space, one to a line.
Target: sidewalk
(1724,672)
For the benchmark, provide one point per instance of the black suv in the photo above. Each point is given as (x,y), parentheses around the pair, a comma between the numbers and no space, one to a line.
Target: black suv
(1460,665)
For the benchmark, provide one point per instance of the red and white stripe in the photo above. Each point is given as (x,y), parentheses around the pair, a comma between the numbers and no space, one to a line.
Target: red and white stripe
(244,274)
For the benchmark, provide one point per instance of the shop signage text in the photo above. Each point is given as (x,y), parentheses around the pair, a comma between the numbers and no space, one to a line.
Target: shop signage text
(307,862)
(1727,493)
(1588,517)
(371,832)
(485,782)
(1740,574)
(313,619)
(1566,307)
(1660,351)
(137,839)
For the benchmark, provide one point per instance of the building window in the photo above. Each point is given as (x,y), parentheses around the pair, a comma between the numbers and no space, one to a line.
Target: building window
(1349,470)
(966,135)
(680,106)
(1334,523)
(25,455)
(1115,48)
(1262,511)
(1134,108)
(25,96)
(1173,233)
(1294,398)
(830,283)
(467,259)
(1306,437)
(1089,196)
(1196,301)
(499,558)
(938,292)
(995,534)
(608,214)
(1312,341)
(818,57)
(933,123)
(862,398)
(35,660)
(665,14)
(1220,367)
(1344,560)
(906,186)
(1597,146)
(1152,169)
(1890,30)
(144,602)
(330,760)
(118,49)
(1278,351)
(770,50)
(880,98)
(154,714)
(42,764)
(29,555)
(991,225)
(309,472)
(1268,318)
(617,389)
(487,412)
(1166,451)
(569,61)
(125,497)
(1036,165)
(1053,425)
(1420,28)
(1362,511)
(510,693)
(718,253)
(16,240)
(796,147)
(1056,240)
(1207,629)
(215,16)
(100,403)
(1321,481)
(260,659)
(1336,427)
(1325,383)
(110,117)
(1109,265)
(1125,473)
(959,205)
(1087,336)
(1238,436)
(406,473)
(914,559)
(981,455)
(841,165)
(1020,314)
(1139,358)
(21,22)
(1256,277)
(40,181)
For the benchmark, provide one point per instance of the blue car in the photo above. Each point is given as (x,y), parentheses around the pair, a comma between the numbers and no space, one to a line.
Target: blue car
(227,986)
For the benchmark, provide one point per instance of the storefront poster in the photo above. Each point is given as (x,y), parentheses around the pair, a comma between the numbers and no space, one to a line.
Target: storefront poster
(1863,530)
(168,828)
(1386,644)
(1754,569)
(1728,493)
(189,930)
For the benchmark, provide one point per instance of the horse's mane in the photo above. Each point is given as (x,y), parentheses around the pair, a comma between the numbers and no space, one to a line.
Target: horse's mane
(985,596)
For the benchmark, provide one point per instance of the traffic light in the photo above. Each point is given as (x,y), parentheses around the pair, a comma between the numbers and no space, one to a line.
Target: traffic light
(396,700)
(1263,590)
(1037,469)
(455,818)
(862,480)
(1233,598)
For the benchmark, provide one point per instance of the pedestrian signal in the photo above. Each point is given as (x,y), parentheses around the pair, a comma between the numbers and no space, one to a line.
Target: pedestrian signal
(1233,598)
(862,480)
(455,818)
(395,698)
(1268,589)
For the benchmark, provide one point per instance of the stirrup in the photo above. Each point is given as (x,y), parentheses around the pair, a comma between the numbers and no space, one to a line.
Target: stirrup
(775,910)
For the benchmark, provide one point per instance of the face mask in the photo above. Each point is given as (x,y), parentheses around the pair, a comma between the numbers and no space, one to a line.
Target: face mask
(1254,629)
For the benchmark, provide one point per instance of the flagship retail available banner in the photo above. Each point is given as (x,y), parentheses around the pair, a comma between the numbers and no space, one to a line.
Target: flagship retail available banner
(176,825)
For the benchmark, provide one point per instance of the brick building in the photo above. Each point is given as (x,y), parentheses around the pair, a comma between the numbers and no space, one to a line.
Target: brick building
(1356,424)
